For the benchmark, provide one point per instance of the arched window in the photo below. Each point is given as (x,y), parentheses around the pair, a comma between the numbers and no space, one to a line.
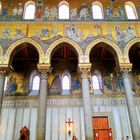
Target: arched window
(5,83)
(36,82)
(131,10)
(97,10)
(95,82)
(63,10)
(66,82)
(29,10)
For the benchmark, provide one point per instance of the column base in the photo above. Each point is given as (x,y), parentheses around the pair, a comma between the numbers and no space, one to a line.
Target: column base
(138,138)
(40,138)
(89,138)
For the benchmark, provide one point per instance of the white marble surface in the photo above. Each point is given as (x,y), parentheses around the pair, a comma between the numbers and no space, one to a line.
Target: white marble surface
(14,118)
(33,124)
(10,124)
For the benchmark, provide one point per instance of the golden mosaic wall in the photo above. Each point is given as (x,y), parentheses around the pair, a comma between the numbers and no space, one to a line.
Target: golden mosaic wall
(81,35)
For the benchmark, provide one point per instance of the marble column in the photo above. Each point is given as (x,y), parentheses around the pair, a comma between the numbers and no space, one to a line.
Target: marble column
(2,80)
(41,126)
(85,72)
(131,105)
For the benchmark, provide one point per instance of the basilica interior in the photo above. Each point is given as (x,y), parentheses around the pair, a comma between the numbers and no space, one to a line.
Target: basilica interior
(69,70)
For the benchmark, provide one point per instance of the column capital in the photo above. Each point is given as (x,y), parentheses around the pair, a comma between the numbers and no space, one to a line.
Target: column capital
(44,69)
(3,70)
(125,69)
(85,70)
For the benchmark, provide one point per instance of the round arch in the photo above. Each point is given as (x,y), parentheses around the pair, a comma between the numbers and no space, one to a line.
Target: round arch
(17,43)
(63,40)
(63,2)
(100,5)
(128,46)
(113,45)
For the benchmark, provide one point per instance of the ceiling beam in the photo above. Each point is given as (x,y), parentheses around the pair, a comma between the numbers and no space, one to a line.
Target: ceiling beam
(102,53)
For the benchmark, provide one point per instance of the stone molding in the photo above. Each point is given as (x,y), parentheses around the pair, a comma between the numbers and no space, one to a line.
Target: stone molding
(70,101)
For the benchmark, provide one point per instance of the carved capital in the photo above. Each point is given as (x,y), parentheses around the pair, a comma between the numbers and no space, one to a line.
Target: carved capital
(3,71)
(44,69)
(125,69)
(85,70)
(125,72)
(43,74)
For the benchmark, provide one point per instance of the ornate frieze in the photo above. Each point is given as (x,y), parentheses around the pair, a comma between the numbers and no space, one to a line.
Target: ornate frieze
(65,101)
(85,70)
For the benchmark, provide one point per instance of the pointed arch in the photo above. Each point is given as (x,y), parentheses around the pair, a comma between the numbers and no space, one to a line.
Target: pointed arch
(63,40)
(127,48)
(17,43)
(113,45)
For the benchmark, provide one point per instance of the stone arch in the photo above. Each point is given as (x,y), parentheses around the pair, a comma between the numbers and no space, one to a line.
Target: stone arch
(63,40)
(113,45)
(17,43)
(127,48)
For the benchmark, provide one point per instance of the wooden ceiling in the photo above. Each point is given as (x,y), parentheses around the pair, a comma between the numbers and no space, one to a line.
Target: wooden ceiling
(64,57)
(102,57)
(102,52)
(24,57)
